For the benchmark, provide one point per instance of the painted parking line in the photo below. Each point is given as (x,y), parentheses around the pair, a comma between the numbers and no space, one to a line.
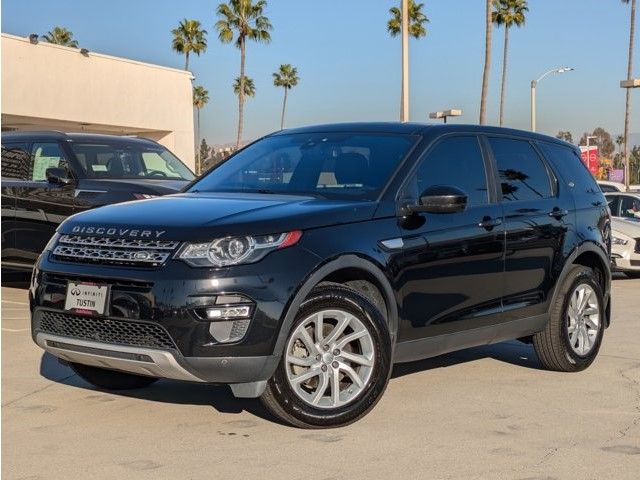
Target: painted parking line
(15,330)
(15,303)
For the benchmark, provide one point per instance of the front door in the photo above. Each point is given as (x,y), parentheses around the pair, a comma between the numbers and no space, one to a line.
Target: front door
(449,271)
(40,205)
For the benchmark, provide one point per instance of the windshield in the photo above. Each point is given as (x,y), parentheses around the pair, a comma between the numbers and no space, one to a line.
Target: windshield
(330,165)
(121,160)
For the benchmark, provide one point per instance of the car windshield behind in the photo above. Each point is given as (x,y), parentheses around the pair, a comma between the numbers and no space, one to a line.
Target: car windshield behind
(331,165)
(122,160)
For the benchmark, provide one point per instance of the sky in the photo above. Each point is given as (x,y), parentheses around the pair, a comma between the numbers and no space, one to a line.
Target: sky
(349,66)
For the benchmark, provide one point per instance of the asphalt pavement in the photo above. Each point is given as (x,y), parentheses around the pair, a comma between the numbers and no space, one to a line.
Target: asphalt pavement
(488,413)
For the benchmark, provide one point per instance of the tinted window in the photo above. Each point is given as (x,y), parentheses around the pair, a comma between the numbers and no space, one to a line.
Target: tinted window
(608,188)
(332,165)
(568,163)
(119,160)
(614,204)
(45,155)
(523,175)
(15,161)
(456,162)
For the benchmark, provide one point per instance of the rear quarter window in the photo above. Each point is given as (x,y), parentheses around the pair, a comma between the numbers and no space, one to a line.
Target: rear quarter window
(567,163)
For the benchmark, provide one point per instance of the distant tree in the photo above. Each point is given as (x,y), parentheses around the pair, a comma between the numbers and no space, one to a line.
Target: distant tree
(249,87)
(60,36)
(200,99)
(204,153)
(287,78)
(507,13)
(565,135)
(604,142)
(189,37)
(417,28)
(242,20)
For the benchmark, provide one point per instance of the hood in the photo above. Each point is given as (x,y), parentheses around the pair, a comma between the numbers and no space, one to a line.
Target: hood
(630,228)
(201,216)
(141,185)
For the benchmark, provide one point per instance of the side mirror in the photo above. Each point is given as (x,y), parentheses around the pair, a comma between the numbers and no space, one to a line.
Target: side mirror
(440,199)
(58,175)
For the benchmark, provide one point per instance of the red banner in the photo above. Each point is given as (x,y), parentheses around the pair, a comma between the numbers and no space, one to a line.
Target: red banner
(590,159)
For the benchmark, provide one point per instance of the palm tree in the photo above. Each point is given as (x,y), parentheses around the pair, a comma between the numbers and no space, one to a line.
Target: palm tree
(189,37)
(200,99)
(487,64)
(247,85)
(508,13)
(417,29)
(287,78)
(627,110)
(242,20)
(60,36)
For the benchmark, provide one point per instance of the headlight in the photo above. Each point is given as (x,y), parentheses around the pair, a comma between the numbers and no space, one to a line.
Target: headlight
(618,241)
(222,252)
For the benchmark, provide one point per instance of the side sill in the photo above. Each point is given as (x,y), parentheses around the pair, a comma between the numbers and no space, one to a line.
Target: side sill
(441,344)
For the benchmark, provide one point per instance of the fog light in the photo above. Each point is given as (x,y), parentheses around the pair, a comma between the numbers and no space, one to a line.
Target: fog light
(228,313)
(229,331)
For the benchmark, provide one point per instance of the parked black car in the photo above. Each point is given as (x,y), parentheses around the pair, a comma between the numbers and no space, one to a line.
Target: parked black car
(303,267)
(48,176)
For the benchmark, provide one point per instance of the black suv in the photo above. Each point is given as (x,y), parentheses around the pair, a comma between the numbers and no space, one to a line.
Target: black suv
(47,176)
(304,266)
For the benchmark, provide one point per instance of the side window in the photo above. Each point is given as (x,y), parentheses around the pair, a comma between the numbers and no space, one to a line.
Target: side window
(457,162)
(629,207)
(15,161)
(45,155)
(567,162)
(523,175)
(614,204)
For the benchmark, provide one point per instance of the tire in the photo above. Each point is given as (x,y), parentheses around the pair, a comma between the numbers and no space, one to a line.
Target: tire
(111,379)
(632,274)
(302,406)
(553,345)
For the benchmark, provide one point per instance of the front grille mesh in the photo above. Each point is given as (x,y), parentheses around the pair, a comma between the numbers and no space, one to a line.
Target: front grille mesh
(106,330)
(637,245)
(114,251)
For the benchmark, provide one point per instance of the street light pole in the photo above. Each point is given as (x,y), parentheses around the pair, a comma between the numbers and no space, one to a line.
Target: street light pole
(404,111)
(534,85)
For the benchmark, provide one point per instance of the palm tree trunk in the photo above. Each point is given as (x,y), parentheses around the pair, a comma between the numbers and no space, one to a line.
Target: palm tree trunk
(186,62)
(284,107)
(487,65)
(504,73)
(241,94)
(627,110)
(199,170)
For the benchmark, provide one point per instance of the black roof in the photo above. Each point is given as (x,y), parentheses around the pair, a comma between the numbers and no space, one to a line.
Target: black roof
(54,135)
(412,128)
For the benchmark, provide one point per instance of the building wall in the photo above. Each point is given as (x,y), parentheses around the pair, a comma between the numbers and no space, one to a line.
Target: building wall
(50,86)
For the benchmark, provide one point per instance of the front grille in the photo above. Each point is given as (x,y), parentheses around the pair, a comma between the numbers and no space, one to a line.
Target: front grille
(106,330)
(637,245)
(114,251)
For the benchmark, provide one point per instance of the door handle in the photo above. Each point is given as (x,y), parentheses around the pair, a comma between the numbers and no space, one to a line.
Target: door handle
(558,213)
(489,222)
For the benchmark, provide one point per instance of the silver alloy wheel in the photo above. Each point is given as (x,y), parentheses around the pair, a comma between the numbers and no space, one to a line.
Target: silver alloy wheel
(583,319)
(329,359)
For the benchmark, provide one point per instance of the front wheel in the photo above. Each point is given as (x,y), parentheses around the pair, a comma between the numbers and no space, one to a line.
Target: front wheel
(336,362)
(111,379)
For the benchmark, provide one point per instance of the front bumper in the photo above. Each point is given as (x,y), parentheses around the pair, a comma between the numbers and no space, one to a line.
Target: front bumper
(166,298)
(625,258)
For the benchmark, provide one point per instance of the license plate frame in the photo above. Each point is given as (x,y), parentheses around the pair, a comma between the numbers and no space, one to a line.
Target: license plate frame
(87,298)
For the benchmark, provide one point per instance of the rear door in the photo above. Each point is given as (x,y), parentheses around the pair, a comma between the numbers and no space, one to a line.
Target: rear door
(15,171)
(537,217)
(40,205)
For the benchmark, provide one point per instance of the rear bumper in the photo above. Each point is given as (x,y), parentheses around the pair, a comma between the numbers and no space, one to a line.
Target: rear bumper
(237,371)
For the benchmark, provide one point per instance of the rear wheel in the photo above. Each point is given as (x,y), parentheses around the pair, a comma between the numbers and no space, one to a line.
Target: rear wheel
(111,379)
(571,340)
(336,363)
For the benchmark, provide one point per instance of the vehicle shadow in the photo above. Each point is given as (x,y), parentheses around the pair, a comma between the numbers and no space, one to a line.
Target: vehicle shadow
(15,278)
(220,398)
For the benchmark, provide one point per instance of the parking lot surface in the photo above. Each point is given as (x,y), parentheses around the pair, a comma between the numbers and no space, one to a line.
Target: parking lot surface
(487,412)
